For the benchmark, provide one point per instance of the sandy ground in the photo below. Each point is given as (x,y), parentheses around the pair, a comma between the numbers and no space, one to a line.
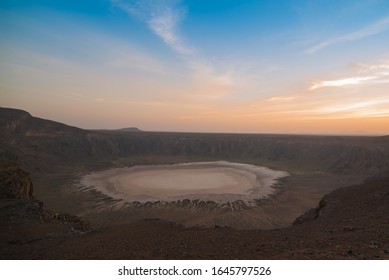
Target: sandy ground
(217,181)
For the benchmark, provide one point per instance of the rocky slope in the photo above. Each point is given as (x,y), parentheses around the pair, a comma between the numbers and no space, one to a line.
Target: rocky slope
(349,223)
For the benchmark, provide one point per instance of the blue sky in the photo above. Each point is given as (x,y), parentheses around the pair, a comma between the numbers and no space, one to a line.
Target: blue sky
(215,66)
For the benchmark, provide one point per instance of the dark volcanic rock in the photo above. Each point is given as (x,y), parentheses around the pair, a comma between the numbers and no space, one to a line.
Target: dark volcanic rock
(15,183)
(19,208)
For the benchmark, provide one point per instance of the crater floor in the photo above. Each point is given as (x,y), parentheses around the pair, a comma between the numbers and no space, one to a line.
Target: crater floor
(218,181)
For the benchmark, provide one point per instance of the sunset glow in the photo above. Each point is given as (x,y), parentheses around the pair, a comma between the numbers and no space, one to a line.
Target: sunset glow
(311,67)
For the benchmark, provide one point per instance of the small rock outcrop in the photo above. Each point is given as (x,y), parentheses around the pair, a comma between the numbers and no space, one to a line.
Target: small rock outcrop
(15,183)
(18,205)
(313,213)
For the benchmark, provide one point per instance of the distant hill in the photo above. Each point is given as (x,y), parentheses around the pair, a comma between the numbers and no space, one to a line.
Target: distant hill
(129,129)
(125,129)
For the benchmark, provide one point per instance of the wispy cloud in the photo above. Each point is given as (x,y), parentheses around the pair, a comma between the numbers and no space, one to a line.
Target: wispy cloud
(342,82)
(375,28)
(377,107)
(281,98)
(369,74)
(162,17)
(350,106)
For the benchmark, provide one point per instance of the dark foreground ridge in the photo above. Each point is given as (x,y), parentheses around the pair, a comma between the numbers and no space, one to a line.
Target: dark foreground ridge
(349,223)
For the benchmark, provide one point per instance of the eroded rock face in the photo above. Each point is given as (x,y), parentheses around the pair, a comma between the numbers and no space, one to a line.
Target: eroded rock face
(18,205)
(15,183)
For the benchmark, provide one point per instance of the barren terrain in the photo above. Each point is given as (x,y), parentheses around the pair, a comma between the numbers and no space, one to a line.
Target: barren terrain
(349,222)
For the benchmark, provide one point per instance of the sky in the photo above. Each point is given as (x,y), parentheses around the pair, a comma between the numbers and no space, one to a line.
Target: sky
(300,67)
